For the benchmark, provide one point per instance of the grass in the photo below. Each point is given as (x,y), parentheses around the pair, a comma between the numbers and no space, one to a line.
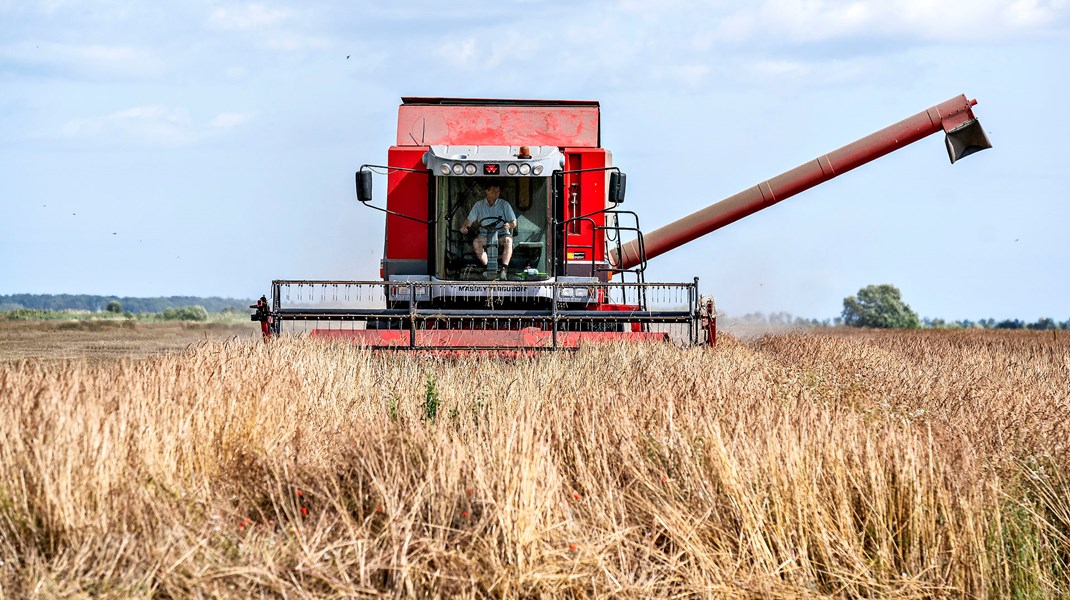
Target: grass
(105,340)
(104,319)
(920,464)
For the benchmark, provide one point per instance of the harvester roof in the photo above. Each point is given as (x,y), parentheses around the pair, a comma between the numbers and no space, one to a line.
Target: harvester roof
(484,122)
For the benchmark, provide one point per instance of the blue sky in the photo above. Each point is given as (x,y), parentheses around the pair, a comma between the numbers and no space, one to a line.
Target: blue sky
(207,147)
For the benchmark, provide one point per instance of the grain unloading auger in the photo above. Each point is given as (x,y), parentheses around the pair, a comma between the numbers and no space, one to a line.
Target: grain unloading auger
(964,136)
(553,268)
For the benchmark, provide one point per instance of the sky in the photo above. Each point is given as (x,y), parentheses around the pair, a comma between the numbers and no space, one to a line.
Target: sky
(207,147)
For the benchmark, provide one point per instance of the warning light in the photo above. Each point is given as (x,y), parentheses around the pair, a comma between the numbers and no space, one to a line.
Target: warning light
(491,169)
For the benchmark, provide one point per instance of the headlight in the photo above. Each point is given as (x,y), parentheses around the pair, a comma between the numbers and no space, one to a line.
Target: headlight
(525,169)
(511,168)
(582,292)
(458,169)
(537,169)
(444,169)
(470,169)
(566,292)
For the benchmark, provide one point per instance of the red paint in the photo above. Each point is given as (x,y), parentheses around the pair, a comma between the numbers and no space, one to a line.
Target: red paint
(407,194)
(591,197)
(504,338)
(471,122)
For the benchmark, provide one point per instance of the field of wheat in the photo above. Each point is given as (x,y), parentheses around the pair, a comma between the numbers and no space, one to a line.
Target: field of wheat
(924,464)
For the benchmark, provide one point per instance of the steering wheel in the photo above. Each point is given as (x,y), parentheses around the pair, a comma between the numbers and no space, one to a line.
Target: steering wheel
(494,223)
(491,224)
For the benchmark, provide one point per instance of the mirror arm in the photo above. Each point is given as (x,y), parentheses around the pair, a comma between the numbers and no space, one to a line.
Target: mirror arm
(364,188)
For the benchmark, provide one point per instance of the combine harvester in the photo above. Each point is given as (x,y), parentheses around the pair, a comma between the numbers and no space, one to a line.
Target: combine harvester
(576,270)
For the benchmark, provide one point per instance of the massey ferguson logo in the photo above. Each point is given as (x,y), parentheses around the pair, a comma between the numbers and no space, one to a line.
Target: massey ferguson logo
(488,289)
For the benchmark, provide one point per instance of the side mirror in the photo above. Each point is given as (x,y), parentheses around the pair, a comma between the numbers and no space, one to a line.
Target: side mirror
(364,186)
(617,182)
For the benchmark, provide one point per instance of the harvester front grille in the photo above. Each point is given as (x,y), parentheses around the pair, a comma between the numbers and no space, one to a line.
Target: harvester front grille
(491,315)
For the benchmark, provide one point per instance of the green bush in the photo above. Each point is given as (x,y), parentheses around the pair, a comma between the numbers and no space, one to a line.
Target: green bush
(185,313)
(33,314)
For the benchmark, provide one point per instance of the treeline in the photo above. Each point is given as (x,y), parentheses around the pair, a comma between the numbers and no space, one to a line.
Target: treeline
(213,304)
(781,319)
(1039,324)
(882,306)
(785,319)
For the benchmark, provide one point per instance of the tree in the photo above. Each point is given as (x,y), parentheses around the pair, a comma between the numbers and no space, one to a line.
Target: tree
(879,306)
(1044,323)
(114,307)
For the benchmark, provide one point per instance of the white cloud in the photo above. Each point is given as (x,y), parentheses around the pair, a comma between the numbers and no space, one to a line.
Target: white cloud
(1033,13)
(811,42)
(689,75)
(465,53)
(152,124)
(780,69)
(250,17)
(236,72)
(87,60)
(47,7)
(224,121)
(272,27)
(805,21)
(291,41)
(142,123)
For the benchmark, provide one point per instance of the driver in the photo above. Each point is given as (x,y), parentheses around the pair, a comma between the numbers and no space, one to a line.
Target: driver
(492,214)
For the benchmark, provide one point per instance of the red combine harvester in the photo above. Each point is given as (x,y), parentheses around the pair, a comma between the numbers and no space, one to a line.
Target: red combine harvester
(559,262)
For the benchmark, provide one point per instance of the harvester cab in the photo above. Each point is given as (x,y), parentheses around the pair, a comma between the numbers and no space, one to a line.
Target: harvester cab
(504,230)
(522,221)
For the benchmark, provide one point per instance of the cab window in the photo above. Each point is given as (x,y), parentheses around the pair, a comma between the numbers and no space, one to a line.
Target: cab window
(454,197)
